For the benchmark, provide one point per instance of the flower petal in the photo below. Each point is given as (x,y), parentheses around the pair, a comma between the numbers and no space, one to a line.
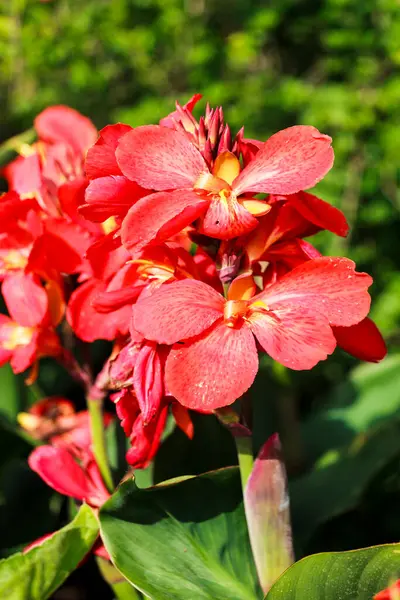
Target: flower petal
(296,338)
(214,369)
(326,285)
(178,311)
(110,196)
(364,340)
(159,158)
(90,325)
(148,380)
(320,213)
(226,219)
(66,125)
(100,159)
(26,300)
(291,160)
(60,471)
(159,216)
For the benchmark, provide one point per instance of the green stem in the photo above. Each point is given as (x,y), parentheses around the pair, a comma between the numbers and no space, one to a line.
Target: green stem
(99,440)
(245,455)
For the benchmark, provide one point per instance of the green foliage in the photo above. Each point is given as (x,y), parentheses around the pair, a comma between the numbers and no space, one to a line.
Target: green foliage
(38,573)
(182,540)
(346,575)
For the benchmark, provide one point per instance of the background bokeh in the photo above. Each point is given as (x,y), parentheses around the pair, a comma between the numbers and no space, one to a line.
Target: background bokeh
(333,64)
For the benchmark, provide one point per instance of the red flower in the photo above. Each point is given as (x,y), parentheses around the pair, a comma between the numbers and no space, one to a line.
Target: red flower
(28,333)
(144,437)
(56,160)
(390,593)
(59,469)
(159,158)
(214,357)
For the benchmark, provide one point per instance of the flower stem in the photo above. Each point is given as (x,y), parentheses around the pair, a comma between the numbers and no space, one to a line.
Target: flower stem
(98,439)
(245,456)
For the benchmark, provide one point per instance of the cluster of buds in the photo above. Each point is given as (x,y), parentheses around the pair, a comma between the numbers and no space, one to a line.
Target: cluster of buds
(185,248)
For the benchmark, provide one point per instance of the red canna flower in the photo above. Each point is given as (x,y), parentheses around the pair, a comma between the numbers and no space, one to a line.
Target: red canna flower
(54,420)
(28,334)
(390,593)
(214,360)
(159,158)
(58,467)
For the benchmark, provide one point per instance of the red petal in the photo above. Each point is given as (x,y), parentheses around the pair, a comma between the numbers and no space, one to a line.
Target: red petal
(364,340)
(159,216)
(183,419)
(320,213)
(328,285)
(90,325)
(66,125)
(60,471)
(291,160)
(159,158)
(148,381)
(24,356)
(23,174)
(100,159)
(296,337)
(214,369)
(178,311)
(110,196)
(146,439)
(225,220)
(26,300)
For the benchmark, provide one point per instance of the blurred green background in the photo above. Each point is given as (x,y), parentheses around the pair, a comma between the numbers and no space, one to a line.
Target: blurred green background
(333,64)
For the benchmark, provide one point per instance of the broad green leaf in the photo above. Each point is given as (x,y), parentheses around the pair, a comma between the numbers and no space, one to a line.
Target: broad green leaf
(354,575)
(38,573)
(339,479)
(185,540)
(266,501)
(370,396)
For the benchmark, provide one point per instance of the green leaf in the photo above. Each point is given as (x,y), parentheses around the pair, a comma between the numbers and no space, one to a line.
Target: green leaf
(370,396)
(183,540)
(354,575)
(38,573)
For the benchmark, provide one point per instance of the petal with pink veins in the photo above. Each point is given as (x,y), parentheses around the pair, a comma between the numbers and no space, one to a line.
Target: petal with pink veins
(291,160)
(328,285)
(213,369)
(110,196)
(157,217)
(178,311)
(159,158)
(296,338)
(226,219)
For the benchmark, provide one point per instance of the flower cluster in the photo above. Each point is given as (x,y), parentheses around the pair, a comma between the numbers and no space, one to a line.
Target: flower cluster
(184,246)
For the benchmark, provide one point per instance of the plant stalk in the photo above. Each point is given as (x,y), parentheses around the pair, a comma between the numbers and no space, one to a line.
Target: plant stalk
(245,455)
(95,406)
